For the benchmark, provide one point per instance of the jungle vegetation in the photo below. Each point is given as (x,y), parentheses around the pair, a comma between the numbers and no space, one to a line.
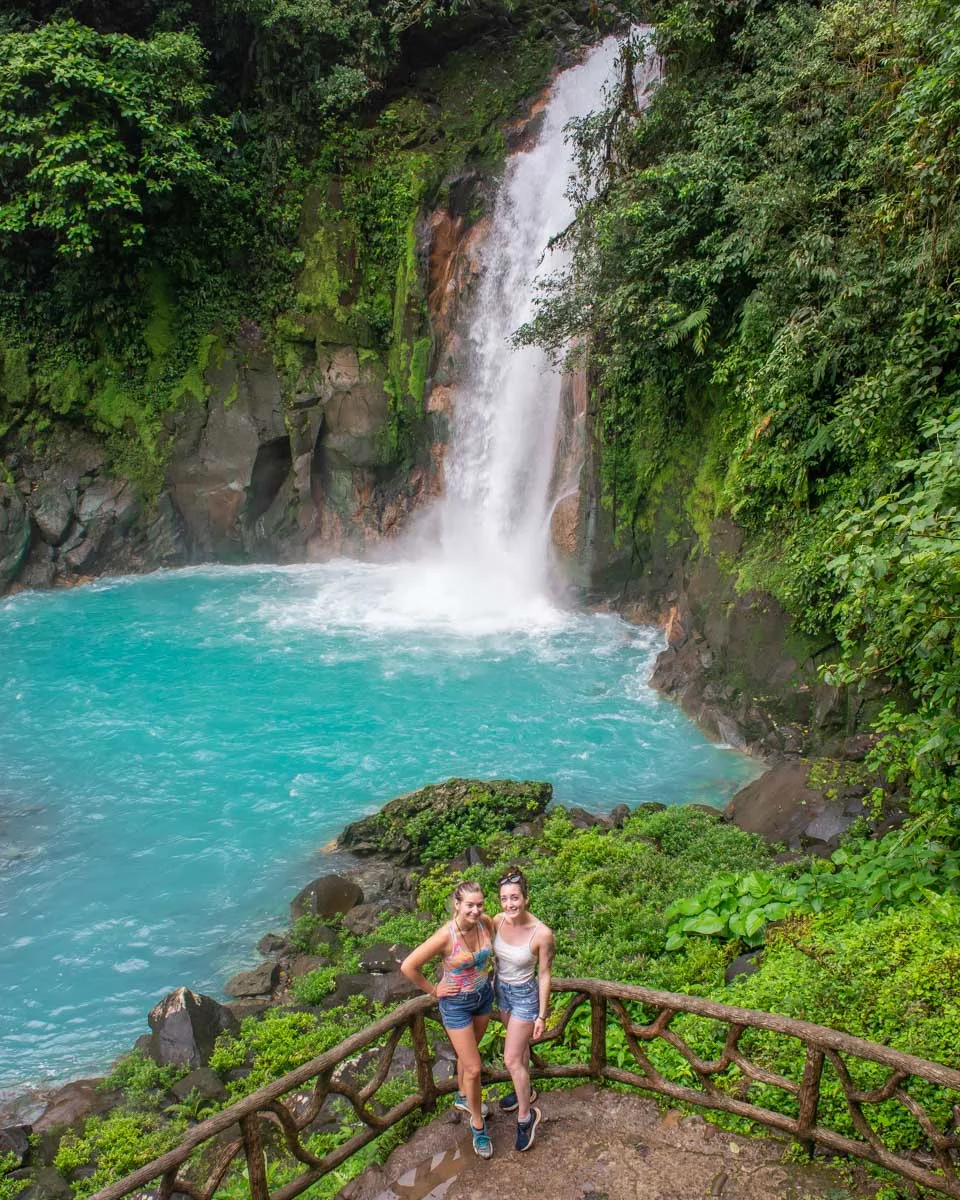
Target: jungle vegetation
(765,270)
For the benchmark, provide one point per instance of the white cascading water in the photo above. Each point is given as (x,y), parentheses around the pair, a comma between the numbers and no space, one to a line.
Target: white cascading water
(492,553)
(479,561)
(500,462)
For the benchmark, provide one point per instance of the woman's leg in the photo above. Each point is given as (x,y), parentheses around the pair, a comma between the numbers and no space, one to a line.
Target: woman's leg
(479,1029)
(516,1056)
(464,1042)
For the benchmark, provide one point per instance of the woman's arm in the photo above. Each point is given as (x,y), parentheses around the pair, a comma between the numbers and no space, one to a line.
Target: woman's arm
(546,949)
(412,965)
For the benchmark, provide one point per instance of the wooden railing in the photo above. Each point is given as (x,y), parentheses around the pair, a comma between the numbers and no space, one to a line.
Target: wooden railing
(288,1107)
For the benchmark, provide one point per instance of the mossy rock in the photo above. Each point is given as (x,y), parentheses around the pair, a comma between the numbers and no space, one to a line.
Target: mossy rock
(443,819)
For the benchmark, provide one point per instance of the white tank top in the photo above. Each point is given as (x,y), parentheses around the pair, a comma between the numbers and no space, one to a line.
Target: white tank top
(515,964)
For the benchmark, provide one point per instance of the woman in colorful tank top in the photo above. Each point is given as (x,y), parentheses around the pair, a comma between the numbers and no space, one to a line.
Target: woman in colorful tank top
(464,945)
(523,948)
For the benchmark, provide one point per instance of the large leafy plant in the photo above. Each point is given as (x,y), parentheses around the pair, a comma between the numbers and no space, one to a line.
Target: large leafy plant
(732,906)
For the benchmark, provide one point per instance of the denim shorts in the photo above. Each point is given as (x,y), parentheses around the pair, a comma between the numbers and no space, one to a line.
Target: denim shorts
(521,1000)
(457,1012)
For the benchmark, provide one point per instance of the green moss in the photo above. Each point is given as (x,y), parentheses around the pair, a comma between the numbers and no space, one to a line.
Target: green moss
(419,362)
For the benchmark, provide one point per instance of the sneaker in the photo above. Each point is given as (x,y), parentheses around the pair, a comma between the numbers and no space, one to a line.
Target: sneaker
(527,1130)
(482,1145)
(460,1101)
(510,1103)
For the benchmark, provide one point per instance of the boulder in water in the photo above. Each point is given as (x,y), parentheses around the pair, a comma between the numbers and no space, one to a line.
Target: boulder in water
(186,1026)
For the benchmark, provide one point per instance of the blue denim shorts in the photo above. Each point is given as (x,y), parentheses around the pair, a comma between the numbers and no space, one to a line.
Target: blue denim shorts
(521,1000)
(457,1012)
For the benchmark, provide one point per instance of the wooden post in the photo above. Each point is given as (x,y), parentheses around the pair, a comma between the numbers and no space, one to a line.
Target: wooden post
(598,1034)
(165,1190)
(256,1163)
(421,1048)
(809,1097)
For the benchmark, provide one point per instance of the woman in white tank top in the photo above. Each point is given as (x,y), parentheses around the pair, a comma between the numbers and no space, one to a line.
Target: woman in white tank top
(523,948)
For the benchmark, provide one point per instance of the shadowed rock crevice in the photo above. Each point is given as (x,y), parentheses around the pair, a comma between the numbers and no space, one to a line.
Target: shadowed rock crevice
(272,465)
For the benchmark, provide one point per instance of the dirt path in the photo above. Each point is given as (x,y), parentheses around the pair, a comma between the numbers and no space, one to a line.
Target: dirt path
(595,1144)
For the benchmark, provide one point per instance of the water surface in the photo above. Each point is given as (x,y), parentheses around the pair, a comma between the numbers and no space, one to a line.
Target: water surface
(175,750)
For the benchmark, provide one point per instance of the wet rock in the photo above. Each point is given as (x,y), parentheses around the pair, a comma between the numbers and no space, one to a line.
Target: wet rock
(205,1081)
(382,957)
(394,833)
(649,806)
(743,964)
(14,1139)
(328,896)
(14,533)
(72,1104)
(273,943)
(619,816)
(253,1006)
(186,1026)
(39,569)
(258,982)
(51,507)
(363,919)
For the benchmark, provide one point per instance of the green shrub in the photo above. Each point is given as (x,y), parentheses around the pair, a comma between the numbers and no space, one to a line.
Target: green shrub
(10,1188)
(114,1145)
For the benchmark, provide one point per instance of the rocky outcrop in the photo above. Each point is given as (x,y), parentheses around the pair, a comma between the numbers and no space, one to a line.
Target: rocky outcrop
(14,533)
(403,829)
(68,516)
(326,897)
(782,806)
(186,1026)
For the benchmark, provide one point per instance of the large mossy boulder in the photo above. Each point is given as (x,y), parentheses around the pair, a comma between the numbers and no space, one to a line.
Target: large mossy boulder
(442,820)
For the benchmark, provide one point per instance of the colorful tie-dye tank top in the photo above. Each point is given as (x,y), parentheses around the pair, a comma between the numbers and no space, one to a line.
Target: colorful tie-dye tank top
(468,969)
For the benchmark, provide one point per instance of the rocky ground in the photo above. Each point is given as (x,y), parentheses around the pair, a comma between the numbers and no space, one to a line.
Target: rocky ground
(595,1144)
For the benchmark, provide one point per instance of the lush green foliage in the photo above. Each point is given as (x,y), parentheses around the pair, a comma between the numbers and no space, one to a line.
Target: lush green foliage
(173,173)
(10,1188)
(605,894)
(766,277)
(280,1041)
(115,1145)
(143,1082)
(879,960)
(101,136)
(731,907)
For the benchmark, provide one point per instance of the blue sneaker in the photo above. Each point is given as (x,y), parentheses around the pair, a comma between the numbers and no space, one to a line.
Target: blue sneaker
(527,1130)
(482,1145)
(509,1102)
(460,1101)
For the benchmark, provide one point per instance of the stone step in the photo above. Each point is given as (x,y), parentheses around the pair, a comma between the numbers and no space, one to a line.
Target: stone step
(595,1144)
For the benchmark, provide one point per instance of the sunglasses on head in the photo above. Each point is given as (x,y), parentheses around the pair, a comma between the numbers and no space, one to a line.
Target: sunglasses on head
(513,877)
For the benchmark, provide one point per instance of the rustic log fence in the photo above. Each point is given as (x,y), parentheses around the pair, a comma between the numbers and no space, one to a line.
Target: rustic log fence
(289,1106)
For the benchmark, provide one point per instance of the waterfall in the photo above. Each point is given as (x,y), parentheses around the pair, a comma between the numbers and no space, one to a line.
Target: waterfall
(495,513)
(482,555)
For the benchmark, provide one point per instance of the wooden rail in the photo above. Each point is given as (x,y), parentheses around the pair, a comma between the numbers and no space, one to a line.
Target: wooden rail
(284,1111)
